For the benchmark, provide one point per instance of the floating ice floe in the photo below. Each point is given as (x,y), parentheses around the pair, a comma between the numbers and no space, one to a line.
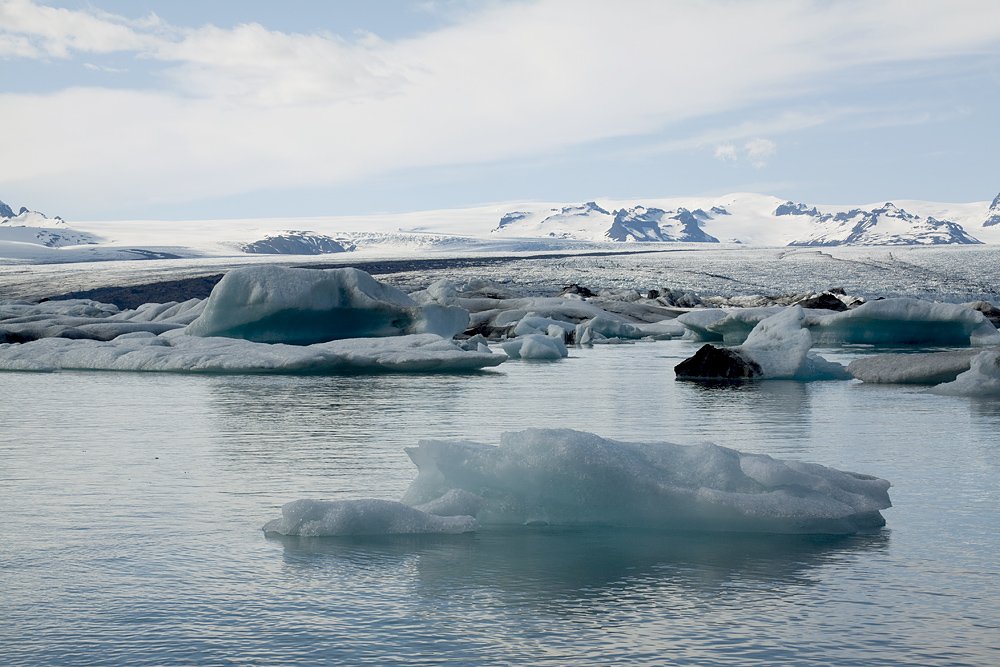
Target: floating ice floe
(981,380)
(916,368)
(536,347)
(22,321)
(273,304)
(496,313)
(778,347)
(177,352)
(564,477)
(363,517)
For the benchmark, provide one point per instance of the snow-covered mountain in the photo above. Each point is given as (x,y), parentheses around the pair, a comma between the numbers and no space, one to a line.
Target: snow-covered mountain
(745,218)
(993,215)
(34,228)
(591,222)
(885,225)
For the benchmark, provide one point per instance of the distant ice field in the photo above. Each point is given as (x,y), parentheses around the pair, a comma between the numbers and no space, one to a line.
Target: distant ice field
(944,273)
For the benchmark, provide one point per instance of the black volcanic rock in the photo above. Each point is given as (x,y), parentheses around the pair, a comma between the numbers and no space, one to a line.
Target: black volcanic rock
(718,363)
(826,300)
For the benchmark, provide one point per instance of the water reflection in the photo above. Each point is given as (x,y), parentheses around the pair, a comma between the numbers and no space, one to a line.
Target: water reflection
(547,563)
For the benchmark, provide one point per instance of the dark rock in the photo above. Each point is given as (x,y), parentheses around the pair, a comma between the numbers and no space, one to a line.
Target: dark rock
(24,209)
(5,211)
(718,363)
(991,312)
(576,289)
(825,300)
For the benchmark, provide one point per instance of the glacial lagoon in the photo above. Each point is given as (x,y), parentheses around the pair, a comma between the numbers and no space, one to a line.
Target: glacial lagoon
(133,506)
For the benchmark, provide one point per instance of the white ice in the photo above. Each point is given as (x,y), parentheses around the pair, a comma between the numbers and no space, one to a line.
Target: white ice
(905,321)
(981,380)
(781,344)
(324,518)
(917,368)
(566,477)
(177,352)
(272,304)
(538,347)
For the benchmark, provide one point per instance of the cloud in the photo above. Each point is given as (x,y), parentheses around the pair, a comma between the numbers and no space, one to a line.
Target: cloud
(232,110)
(726,153)
(758,150)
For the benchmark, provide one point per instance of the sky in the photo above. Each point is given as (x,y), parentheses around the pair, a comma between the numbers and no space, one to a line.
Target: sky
(216,109)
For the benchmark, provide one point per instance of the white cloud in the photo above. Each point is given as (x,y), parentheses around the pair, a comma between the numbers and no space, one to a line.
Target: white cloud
(758,150)
(246,108)
(726,153)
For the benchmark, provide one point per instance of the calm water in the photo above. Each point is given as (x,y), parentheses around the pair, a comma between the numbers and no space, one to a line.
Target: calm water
(132,505)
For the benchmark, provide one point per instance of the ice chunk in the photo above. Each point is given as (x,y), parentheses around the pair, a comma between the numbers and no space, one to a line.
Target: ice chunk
(981,380)
(191,354)
(698,322)
(905,321)
(532,324)
(565,477)
(535,346)
(780,346)
(777,348)
(326,518)
(930,368)
(603,327)
(272,304)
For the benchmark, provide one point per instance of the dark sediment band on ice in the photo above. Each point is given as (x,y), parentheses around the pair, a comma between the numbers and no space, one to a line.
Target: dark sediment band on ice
(199,287)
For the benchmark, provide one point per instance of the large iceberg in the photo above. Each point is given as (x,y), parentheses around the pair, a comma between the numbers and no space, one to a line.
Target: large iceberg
(273,304)
(901,321)
(176,352)
(566,477)
(905,321)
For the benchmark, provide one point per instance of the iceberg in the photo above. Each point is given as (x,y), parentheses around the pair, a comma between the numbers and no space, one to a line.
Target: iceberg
(981,380)
(917,368)
(273,304)
(536,347)
(571,478)
(905,321)
(327,518)
(778,347)
(176,352)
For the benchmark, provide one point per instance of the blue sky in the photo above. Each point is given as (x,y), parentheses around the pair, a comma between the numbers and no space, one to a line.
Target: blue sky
(148,109)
